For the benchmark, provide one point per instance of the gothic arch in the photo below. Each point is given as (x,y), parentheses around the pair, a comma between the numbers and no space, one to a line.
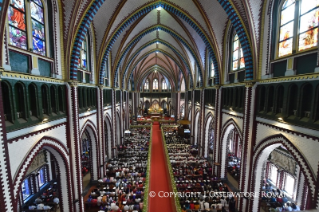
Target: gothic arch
(221,154)
(261,153)
(109,144)
(195,128)
(92,132)
(209,119)
(61,154)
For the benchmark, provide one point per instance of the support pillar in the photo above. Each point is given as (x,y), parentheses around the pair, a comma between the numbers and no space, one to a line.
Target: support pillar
(74,146)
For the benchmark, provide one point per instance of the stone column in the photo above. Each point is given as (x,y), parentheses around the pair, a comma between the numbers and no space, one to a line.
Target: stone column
(74,145)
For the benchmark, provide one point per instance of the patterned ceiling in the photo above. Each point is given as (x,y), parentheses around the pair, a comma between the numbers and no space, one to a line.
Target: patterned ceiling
(181,46)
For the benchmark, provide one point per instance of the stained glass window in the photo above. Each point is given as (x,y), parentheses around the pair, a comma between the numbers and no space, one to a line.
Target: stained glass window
(83,61)
(38,29)
(286,30)
(26,188)
(17,24)
(291,39)
(146,85)
(155,84)
(238,56)
(164,85)
(308,26)
(41,176)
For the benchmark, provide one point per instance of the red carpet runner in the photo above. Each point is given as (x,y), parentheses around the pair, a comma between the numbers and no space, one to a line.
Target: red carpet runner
(159,172)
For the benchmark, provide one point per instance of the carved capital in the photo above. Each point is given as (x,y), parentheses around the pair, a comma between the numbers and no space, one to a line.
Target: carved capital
(73,83)
(250,84)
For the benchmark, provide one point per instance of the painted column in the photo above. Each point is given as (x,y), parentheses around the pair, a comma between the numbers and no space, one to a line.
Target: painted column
(246,176)
(7,202)
(121,117)
(74,145)
(193,117)
(218,125)
(201,131)
(114,124)
(178,105)
(101,134)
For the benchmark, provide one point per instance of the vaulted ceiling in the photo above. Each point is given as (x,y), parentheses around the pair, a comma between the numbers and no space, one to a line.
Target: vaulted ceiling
(176,36)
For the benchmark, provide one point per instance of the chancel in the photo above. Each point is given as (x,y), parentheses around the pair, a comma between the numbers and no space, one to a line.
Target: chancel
(115,105)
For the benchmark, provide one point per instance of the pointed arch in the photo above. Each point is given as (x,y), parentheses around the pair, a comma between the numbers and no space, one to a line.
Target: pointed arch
(261,153)
(61,154)
(92,132)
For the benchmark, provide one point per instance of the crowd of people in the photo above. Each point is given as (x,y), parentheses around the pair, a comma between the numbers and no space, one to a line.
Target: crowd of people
(48,200)
(194,180)
(122,188)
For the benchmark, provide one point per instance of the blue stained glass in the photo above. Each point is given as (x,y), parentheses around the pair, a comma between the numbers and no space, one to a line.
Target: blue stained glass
(38,46)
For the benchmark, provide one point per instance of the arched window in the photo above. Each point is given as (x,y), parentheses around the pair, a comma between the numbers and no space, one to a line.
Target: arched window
(38,30)
(164,85)
(83,55)
(238,61)
(17,24)
(18,19)
(212,69)
(84,74)
(146,85)
(155,84)
(298,27)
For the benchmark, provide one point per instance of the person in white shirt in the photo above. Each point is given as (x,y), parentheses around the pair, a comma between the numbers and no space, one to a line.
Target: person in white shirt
(206,205)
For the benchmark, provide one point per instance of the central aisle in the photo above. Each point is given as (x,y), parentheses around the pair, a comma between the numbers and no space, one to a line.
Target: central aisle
(159,180)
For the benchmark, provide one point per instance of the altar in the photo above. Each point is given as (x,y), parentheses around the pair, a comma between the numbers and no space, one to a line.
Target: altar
(155,110)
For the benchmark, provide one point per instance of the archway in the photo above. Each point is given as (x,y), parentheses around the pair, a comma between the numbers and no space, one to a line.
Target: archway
(305,181)
(108,138)
(196,126)
(230,149)
(61,170)
(118,129)
(209,137)
(89,154)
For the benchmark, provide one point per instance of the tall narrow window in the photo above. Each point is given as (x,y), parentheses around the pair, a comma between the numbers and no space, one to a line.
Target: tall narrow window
(286,28)
(212,70)
(155,84)
(17,24)
(146,85)
(273,174)
(164,85)
(38,30)
(83,55)
(26,188)
(42,178)
(289,185)
(238,56)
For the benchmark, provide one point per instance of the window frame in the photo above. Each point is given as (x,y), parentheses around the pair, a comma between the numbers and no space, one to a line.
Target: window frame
(146,85)
(296,30)
(28,30)
(232,70)
(87,70)
(289,185)
(155,85)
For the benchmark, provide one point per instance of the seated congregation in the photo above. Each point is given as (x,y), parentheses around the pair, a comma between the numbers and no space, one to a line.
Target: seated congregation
(122,188)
